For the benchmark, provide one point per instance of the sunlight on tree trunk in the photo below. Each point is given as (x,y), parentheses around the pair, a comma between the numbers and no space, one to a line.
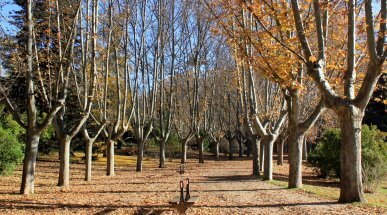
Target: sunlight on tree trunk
(350,165)
(28,177)
(64,169)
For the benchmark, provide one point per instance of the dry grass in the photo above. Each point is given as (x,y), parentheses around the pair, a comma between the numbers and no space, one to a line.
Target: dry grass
(326,188)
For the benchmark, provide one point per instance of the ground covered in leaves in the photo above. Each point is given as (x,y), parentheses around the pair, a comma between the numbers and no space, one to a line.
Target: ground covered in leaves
(224,187)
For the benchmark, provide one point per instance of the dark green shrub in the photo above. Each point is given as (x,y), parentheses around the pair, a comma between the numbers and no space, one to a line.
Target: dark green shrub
(326,157)
(206,144)
(48,141)
(374,157)
(7,123)
(152,143)
(11,151)
(173,145)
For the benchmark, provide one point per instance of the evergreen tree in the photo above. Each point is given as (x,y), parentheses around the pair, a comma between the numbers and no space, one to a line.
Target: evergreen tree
(377,108)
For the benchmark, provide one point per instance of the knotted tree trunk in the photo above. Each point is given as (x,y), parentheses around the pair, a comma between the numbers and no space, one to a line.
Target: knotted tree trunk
(28,177)
(201,149)
(268,143)
(110,157)
(261,156)
(240,146)
(305,149)
(350,153)
(140,155)
(88,159)
(162,154)
(230,148)
(64,168)
(280,148)
(217,151)
(255,142)
(295,159)
(184,152)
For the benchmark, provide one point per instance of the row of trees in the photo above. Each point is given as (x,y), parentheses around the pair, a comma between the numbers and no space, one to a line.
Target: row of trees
(339,46)
(251,71)
(103,68)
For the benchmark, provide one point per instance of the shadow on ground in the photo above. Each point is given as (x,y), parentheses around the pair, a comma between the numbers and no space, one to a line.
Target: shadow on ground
(141,209)
(231,178)
(309,180)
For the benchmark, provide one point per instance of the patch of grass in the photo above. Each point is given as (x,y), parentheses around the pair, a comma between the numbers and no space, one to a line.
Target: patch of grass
(125,160)
(326,192)
(377,199)
(118,159)
(383,190)
(279,183)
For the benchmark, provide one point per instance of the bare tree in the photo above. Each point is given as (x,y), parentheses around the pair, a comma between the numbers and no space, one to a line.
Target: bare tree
(54,102)
(66,131)
(144,102)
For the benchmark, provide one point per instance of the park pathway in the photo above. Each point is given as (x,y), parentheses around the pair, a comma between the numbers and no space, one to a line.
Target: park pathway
(230,189)
(225,187)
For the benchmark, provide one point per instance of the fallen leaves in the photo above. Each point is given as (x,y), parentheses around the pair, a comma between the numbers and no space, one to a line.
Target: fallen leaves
(224,187)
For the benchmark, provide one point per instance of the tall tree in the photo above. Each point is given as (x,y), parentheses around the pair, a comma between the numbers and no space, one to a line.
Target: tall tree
(54,102)
(350,105)
(144,102)
(66,130)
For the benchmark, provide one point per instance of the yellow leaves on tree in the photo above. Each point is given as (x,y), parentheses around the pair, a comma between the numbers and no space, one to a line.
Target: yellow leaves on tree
(313,59)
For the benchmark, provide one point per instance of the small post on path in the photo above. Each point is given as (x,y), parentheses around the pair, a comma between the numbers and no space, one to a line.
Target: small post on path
(182,169)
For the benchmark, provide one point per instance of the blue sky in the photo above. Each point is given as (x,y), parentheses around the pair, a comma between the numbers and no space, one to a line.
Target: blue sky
(6,9)
(7,6)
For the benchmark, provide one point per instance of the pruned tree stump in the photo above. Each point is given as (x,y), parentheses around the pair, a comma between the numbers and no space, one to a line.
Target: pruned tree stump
(181,169)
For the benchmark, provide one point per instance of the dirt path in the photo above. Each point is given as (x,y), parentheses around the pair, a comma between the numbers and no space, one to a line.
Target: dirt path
(224,188)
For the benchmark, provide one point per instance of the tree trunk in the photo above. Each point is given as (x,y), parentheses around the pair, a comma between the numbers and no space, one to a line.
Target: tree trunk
(162,154)
(261,156)
(88,159)
(248,146)
(268,169)
(230,149)
(201,150)
(280,149)
(183,152)
(304,149)
(240,148)
(255,143)
(351,187)
(64,168)
(110,158)
(28,177)
(217,150)
(286,148)
(295,159)
(140,155)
